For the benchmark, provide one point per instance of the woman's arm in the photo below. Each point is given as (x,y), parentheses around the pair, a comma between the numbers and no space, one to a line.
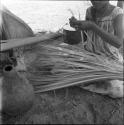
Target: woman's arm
(117,39)
(109,38)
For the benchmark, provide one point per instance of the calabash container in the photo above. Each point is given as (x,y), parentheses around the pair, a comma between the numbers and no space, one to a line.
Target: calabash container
(17,92)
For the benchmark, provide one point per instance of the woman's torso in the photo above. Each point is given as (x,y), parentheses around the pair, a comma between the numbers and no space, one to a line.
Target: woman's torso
(96,44)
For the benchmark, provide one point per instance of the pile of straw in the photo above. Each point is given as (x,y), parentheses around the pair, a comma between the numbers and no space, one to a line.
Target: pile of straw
(59,66)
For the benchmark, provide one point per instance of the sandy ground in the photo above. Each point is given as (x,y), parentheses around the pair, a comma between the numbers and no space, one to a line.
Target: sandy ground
(72,106)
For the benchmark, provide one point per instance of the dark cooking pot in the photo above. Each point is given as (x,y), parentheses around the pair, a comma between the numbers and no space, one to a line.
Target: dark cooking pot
(71,36)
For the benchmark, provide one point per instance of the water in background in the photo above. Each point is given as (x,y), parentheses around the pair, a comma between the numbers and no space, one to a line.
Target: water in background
(47,15)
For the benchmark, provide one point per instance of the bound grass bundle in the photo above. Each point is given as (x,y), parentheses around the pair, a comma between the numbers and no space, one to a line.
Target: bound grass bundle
(69,66)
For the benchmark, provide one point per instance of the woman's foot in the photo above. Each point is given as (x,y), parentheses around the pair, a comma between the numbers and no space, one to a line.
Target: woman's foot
(117,89)
(113,88)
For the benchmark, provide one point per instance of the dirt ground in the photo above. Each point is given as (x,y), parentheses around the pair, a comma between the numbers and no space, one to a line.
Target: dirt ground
(72,106)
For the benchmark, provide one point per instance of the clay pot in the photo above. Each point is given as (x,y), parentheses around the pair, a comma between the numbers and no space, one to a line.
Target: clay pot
(17,93)
(71,36)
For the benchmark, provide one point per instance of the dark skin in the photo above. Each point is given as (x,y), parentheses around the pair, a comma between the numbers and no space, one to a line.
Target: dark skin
(103,8)
(120,4)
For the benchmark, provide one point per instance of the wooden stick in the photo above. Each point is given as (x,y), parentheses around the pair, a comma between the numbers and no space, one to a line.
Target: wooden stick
(13,43)
(82,38)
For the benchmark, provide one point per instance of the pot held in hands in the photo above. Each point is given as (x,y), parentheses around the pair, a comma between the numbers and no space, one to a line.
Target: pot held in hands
(71,36)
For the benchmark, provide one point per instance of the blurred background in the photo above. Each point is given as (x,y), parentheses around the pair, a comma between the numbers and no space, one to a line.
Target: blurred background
(46,15)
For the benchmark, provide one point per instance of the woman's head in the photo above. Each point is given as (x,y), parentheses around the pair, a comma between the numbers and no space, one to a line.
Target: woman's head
(98,4)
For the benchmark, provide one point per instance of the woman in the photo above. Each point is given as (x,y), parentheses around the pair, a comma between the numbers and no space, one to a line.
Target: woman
(104,26)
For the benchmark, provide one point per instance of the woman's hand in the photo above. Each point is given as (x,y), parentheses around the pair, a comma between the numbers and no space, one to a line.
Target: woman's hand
(74,22)
(83,25)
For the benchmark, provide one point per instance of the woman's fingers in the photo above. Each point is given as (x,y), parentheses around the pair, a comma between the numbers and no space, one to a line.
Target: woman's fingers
(78,24)
(73,22)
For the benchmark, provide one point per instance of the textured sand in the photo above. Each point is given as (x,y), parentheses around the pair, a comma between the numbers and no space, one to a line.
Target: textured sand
(72,106)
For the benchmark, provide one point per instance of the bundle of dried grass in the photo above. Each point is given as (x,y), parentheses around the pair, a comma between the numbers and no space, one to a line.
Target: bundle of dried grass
(57,67)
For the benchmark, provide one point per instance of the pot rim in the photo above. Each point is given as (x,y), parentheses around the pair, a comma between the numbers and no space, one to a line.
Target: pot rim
(68,28)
